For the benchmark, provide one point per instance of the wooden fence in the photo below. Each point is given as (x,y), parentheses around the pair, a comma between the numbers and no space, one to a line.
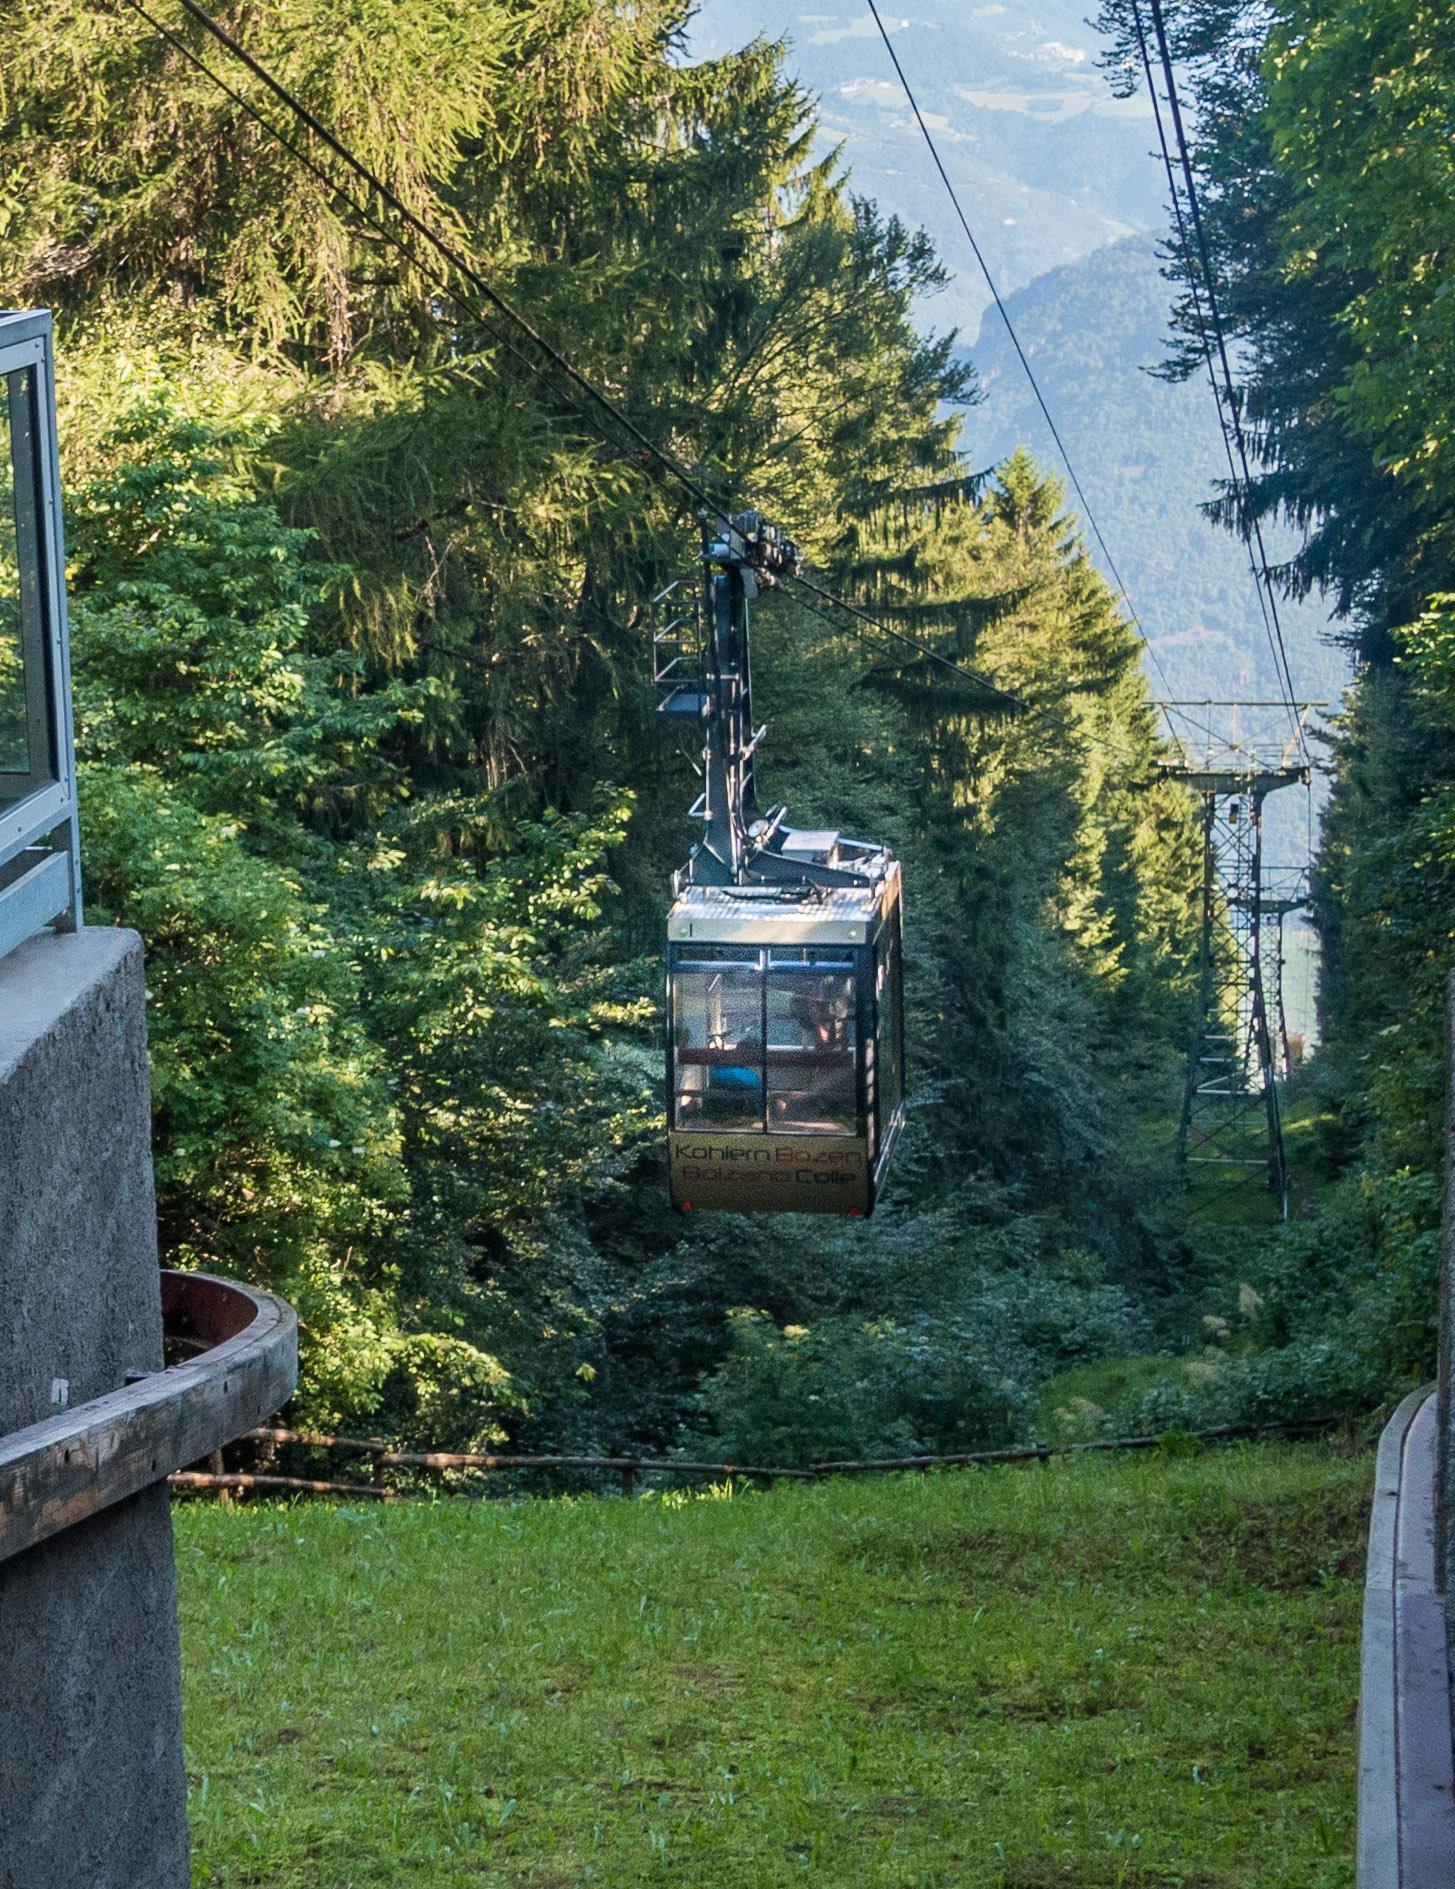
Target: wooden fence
(384,1456)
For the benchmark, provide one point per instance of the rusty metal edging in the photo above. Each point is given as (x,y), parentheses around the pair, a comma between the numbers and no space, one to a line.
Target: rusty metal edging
(57,1473)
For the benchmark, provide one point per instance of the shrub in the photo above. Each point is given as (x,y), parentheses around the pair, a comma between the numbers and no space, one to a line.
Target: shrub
(917,1385)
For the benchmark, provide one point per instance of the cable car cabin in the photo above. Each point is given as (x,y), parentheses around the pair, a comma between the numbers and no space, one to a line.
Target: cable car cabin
(785,1049)
(785,1010)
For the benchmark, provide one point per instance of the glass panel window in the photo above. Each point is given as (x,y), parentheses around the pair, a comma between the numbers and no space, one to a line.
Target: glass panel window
(812,1038)
(717,1023)
(14,722)
(26,762)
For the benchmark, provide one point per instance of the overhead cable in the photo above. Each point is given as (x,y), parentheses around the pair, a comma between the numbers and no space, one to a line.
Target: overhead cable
(1193,283)
(1185,242)
(503,307)
(1214,338)
(361,209)
(924,649)
(990,283)
(1036,710)
(447,250)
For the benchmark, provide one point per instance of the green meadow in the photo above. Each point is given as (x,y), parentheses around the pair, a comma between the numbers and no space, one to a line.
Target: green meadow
(1103,1671)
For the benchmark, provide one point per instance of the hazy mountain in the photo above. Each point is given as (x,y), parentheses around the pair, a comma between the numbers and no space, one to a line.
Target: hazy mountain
(1148,454)
(1047,163)
(1065,198)
(1059,184)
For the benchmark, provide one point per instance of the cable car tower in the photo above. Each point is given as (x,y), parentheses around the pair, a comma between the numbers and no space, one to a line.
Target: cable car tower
(1240,1047)
(785,1034)
(1281,893)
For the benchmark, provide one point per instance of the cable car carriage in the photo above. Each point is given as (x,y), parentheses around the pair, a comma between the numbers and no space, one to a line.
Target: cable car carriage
(785,1028)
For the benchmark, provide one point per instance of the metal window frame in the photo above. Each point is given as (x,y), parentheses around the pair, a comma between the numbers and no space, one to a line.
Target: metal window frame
(40,857)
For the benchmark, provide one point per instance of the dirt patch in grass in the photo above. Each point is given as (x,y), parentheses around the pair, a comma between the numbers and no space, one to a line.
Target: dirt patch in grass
(1072,1702)
(706,1682)
(1285,1542)
(1054,1872)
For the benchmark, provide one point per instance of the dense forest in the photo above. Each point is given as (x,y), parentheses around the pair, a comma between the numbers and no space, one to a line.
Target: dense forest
(1325,163)
(362,617)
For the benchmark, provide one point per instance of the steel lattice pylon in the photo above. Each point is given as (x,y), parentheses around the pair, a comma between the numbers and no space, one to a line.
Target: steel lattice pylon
(1230,1114)
(1273,908)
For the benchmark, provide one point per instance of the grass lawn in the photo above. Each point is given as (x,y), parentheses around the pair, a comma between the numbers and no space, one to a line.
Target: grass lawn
(1134,1670)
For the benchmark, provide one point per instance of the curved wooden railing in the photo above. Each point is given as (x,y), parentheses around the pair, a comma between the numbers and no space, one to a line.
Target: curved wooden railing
(56,1473)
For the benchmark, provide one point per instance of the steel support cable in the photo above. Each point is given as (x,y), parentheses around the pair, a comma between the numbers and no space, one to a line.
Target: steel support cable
(552,355)
(990,283)
(1185,240)
(1233,416)
(1058,722)
(534,368)
(336,189)
(1225,397)
(450,254)
(924,649)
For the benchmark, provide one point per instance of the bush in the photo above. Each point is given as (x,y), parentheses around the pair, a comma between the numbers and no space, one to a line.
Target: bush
(843,1390)
(918,1385)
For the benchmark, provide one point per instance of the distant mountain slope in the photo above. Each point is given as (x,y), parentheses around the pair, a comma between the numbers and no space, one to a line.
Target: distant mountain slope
(1065,198)
(1058,181)
(1049,164)
(1148,455)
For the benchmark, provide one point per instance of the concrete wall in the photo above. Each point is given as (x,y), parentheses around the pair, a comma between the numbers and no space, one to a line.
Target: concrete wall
(92,1786)
(1406,1740)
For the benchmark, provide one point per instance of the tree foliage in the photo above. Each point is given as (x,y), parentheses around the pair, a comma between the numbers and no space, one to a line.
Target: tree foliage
(362,625)
(1324,159)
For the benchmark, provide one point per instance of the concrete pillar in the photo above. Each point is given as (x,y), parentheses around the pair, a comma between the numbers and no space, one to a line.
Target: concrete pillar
(92,1785)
